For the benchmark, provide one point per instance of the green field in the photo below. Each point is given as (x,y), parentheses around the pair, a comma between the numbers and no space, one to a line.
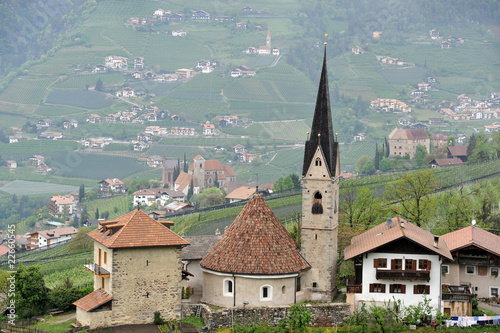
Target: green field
(115,206)
(277,130)
(22,187)
(32,147)
(79,98)
(81,81)
(94,166)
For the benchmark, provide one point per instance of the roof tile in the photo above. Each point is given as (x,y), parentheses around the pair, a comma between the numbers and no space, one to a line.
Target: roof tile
(255,243)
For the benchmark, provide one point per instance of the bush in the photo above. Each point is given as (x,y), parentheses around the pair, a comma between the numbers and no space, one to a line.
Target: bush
(158,319)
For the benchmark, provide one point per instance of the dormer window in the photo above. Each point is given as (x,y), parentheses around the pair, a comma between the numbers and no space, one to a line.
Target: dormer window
(317,207)
(318,161)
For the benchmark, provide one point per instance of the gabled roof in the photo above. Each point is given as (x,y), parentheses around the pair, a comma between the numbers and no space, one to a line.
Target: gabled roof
(382,234)
(241,193)
(255,243)
(228,171)
(458,150)
(408,134)
(56,233)
(447,161)
(184,180)
(473,235)
(322,128)
(200,245)
(135,229)
(93,300)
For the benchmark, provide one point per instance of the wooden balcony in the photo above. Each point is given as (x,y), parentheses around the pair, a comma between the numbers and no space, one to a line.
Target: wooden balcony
(97,270)
(452,297)
(383,274)
(355,289)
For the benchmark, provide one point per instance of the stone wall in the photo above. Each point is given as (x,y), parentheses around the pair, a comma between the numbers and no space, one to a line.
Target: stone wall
(324,315)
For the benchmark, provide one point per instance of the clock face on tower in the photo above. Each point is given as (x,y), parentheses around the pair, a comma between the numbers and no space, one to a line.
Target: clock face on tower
(201,170)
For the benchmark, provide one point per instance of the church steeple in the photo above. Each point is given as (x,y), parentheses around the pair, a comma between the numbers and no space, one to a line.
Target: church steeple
(322,128)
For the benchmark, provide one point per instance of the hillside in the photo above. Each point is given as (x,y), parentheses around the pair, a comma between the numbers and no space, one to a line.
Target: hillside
(63,83)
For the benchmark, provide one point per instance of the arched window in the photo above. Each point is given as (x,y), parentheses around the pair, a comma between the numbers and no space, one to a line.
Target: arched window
(266,293)
(317,207)
(318,161)
(228,288)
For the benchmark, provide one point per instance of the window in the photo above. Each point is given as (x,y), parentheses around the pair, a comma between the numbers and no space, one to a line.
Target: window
(471,270)
(494,271)
(419,289)
(424,264)
(105,256)
(445,269)
(493,291)
(377,288)
(297,284)
(317,207)
(398,289)
(482,271)
(228,287)
(318,161)
(266,293)
(397,264)
(315,284)
(410,265)
(283,290)
(380,263)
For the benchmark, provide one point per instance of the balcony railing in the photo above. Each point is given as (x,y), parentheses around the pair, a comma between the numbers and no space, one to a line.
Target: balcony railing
(355,289)
(452,297)
(383,274)
(97,270)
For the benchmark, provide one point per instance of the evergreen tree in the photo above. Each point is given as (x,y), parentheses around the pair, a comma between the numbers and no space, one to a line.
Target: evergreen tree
(190,190)
(216,181)
(81,193)
(387,149)
(99,85)
(97,213)
(185,164)
(377,158)
(472,145)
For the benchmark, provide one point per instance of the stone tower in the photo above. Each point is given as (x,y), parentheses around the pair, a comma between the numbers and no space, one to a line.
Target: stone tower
(320,199)
(199,171)
(268,39)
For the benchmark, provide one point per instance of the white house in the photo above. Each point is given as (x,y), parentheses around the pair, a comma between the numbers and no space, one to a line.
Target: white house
(46,238)
(396,260)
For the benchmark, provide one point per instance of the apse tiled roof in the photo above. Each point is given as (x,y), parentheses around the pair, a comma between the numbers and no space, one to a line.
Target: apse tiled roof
(93,300)
(473,235)
(255,243)
(135,229)
(384,234)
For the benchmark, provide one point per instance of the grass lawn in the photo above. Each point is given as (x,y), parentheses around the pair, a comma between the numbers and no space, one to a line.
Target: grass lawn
(50,323)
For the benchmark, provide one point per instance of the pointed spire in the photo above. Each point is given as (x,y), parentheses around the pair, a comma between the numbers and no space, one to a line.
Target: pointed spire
(322,128)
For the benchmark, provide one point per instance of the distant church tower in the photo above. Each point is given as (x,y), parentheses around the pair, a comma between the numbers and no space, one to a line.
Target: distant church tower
(268,39)
(167,176)
(320,199)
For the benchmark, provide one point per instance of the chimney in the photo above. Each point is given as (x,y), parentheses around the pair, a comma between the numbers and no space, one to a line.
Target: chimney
(436,241)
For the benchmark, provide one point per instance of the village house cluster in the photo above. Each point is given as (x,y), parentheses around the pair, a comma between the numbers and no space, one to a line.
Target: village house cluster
(465,108)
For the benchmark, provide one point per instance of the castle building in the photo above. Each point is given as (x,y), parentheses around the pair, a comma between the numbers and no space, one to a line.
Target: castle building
(137,271)
(320,199)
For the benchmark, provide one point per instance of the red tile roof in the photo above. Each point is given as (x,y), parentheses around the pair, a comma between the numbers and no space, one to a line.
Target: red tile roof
(93,300)
(473,235)
(184,180)
(228,171)
(458,150)
(448,161)
(135,229)
(255,243)
(382,234)
(241,193)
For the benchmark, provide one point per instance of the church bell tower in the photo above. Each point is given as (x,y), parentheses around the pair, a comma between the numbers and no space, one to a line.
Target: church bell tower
(320,199)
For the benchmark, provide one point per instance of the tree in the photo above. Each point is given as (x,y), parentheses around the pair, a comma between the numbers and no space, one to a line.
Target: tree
(420,156)
(190,190)
(31,294)
(385,164)
(471,145)
(185,164)
(99,85)
(81,193)
(80,241)
(360,163)
(359,207)
(411,196)
(368,168)
(386,148)
(451,141)
(216,181)
(278,186)
(97,213)
(288,183)
(377,158)
(295,180)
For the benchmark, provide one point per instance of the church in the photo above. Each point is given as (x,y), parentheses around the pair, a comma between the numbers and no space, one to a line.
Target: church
(255,263)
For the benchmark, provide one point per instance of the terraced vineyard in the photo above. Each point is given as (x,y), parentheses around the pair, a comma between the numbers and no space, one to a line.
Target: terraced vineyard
(115,206)
(280,130)
(31,147)
(27,90)
(81,81)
